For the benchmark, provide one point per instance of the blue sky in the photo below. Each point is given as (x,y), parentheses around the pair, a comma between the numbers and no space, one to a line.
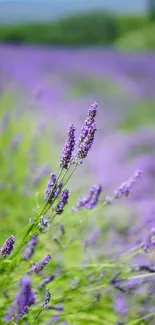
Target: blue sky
(12,11)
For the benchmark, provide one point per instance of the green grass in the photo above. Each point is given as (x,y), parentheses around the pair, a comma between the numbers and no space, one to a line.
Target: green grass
(142,113)
(82,86)
(139,40)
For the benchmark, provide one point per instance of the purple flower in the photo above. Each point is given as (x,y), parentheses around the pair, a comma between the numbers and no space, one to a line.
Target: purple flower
(67,152)
(87,124)
(43,223)
(90,201)
(63,201)
(107,200)
(124,189)
(87,142)
(7,247)
(120,304)
(58,307)
(30,248)
(54,319)
(39,266)
(47,297)
(24,299)
(150,242)
(47,280)
(51,189)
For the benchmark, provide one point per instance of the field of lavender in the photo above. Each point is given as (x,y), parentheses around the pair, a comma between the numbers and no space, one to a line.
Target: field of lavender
(83,256)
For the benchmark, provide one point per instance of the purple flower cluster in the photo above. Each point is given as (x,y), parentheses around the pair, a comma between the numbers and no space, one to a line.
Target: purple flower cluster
(58,307)
(86,138)
(24,299)
(51,189)
(47,298)
(30,248)
(47,280)
(150,242)
(43,223)
(63,201)
(39,266)
(124,189)
(7,247)
(67,152)
(90,201)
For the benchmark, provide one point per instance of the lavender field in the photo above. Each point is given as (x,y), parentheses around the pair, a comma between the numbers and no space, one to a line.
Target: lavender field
(42,91)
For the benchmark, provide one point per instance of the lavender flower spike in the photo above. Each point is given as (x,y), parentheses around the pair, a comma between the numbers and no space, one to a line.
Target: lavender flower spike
(150,242)
(125,187)
(30,248)
(39,266)
(47,298)
(51,189)
(67,152)
(86,145)
(87,123)
(47,280)
(90,201)
(63,201)
(7,247)
(24,299)
(44,223)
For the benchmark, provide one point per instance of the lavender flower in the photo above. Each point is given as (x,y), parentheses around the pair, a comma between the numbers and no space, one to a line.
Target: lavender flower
(67,152)
(47,298)
(43,223)
(96,191)
(150,242)
(24,299)
(47,280)
(86,137)
(7,247)
(90,201)
(107,200)
(125,187)
(58,307)
(88,122)
(63,201)
(51,189)
(39,266)
(30,248)
(54,319)
(87,142)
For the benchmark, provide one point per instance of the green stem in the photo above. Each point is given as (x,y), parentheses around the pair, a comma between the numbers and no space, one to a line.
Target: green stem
(141,318)
(38,315)
(46,204)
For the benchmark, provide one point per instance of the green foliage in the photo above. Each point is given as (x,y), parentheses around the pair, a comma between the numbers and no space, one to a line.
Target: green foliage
(85,29)
(151,9)
(93,28)
(137,41)
(144,114)
(83,282)
(130,23)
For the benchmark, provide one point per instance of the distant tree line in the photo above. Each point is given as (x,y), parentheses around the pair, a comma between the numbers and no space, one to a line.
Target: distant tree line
(151,9)
(94,28)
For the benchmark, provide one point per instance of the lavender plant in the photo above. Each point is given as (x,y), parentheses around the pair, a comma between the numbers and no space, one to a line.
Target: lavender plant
(81,288)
